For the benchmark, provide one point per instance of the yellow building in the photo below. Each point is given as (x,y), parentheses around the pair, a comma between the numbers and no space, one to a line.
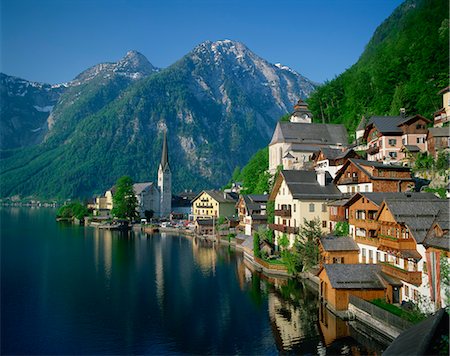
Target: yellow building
(214,203)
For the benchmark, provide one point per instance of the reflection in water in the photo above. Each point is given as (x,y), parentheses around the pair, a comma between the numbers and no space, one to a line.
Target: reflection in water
(205,256)
(159,272)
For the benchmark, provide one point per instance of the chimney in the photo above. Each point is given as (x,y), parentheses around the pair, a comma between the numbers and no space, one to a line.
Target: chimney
(321,177)
(402,112)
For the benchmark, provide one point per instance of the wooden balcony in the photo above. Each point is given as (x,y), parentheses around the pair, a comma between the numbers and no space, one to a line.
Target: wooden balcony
(284,228)
(371,241)
(349,180)
(278,227)
(397,244)
(285,213)
(397,272)
(373,150)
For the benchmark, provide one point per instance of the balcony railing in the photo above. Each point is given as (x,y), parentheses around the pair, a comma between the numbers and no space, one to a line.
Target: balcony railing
(347,180)
(291,230)
(278,227)
(285,213)
(397,244)
(371,241)
(412,277)
(204,206)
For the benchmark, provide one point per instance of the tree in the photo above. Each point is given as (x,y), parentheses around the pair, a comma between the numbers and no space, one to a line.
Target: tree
(307,245)
(256,247)
(71,210)
(149,214)
(124,200)
(341,228)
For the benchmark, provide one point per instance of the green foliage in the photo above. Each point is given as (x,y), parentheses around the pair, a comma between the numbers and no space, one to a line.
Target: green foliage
(285,118)
(441,192)
(256,247)
(413,316)
(341,229)
(270,211)
(307,245)
(73,210)
(124,200)
(445,279)
(283,242)
(403,66)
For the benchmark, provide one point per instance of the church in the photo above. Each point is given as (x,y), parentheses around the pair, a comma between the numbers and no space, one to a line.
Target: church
(153,198)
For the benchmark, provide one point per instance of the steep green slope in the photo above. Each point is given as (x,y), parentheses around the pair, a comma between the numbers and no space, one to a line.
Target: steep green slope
(404,65)
(216,104)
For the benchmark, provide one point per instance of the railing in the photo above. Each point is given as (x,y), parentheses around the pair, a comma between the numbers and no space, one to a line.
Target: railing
(413,277)
(278,227)
(346,180)
(204,206)
(372,241)
(337,218)
(373,150)
(292,230)
(396,243)
(286,213)
(380,314)
(272,266)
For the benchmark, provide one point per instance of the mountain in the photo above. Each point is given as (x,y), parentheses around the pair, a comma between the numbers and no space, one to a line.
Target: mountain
(219,105)
(29,109)
(404,65)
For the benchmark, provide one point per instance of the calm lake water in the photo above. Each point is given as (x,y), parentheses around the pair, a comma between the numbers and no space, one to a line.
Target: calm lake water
(77,290)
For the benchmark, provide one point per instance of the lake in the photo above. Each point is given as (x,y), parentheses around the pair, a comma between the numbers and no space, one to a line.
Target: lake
(78,290)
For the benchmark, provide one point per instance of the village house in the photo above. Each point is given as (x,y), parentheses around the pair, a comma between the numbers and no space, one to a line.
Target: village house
(214,204)
(338,212)
(252,212)
(403,226)
(339,281)
(332,159)
(358,175)
(442,116)
(386,135)
(294,142)
(299,196)
(363,228)
(438,139)
(337,249)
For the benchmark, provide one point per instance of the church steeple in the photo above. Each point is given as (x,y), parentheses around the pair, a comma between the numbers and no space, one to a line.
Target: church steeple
(165,154)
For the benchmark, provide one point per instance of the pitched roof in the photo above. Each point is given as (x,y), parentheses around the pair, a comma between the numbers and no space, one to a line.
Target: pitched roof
(386,124)
(354,276)
(310,133)
(378,197)
(304,185)
(254,202)
(139,187)
(443,221)
(417,217)
(338,243)
(164,154)
(411,148)
(219,196)
(422,338)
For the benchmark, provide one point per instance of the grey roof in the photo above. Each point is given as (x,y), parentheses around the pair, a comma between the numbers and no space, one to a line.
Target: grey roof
(364,162)
(439,131)
(338,243)
(412,148)
(422,338)
(440,242)
(298,147)
(165,154)
(354,276)
(361,164)
(248,243)
(304,185)
(254,202)
(378,197)
(139,187)
(324,134)
(387,124)
(334,153)
(417,217)
(205,222)
(288,155)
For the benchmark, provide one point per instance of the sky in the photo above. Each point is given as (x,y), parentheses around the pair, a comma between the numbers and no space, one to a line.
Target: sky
(52,41)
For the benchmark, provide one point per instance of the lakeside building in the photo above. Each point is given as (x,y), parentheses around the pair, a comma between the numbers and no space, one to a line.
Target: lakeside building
(357,175)
(214,204)
(337,249)
(294,142)
(252,212)
(438,139)
(300,195)
(150,197)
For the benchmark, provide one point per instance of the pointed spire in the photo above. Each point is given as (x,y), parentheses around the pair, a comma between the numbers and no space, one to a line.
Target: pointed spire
(164,154)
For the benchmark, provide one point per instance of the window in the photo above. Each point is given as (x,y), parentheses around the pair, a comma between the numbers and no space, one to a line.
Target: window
(392,142)
(393,154)
(324,208)
(420,139)
(415,295)
(363,252)
(425,268)
(404,140)
(366,188)
(378,256)
(370,254)
(294,208)
(311,208)
(324,223)
(406,291)
(283,191)
(419,126)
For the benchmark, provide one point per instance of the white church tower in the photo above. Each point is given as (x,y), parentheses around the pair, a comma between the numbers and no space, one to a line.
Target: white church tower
(165,182)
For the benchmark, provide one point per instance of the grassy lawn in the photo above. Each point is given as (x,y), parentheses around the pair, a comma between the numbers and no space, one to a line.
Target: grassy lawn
(411,316)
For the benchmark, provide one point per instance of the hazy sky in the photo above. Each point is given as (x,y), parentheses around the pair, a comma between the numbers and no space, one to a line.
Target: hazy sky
(53,40)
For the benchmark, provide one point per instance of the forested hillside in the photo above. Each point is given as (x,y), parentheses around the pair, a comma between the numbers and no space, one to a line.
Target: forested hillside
(404,65)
